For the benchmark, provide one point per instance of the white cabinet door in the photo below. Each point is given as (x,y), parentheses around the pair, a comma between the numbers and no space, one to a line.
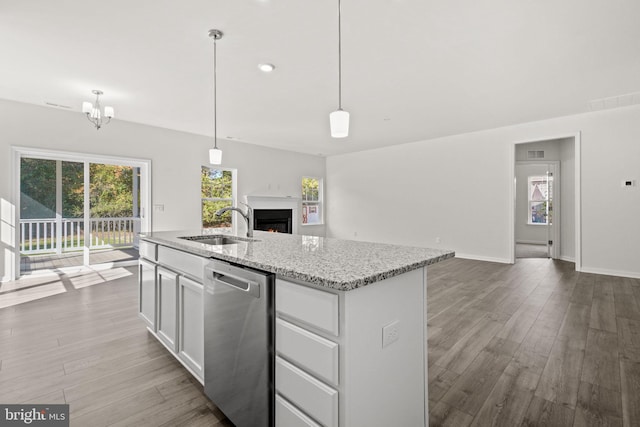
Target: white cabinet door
(191,333)
(147,293)
(168,307)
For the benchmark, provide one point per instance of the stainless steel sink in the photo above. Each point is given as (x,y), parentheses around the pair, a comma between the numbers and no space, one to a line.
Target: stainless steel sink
(216,239)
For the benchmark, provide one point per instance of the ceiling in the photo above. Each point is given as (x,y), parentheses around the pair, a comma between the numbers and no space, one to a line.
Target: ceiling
(412,69)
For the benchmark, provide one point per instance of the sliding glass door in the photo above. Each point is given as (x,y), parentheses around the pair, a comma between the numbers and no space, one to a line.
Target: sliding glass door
(75,213)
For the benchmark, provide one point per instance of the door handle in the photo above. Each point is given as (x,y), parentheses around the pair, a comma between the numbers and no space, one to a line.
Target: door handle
(251,288)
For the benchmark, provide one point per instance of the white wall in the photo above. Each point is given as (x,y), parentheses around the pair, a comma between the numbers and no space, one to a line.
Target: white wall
(176,160)
(457,188)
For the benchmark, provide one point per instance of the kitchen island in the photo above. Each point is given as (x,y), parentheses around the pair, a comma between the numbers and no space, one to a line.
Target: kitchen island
(350,320)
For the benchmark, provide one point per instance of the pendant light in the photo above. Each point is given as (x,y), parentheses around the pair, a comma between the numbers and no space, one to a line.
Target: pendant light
(339,119)
(215,154)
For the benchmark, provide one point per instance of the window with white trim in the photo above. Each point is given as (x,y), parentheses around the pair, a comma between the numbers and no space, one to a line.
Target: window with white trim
(217,191)
(311,200)
(539,203)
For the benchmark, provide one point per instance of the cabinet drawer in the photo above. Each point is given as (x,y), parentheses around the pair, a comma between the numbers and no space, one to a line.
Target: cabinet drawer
(311,351)
(317,308)
(147,250)
(306,392)
(288,415)
(191,265)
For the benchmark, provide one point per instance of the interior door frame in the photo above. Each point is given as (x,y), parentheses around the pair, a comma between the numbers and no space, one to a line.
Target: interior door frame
(145,183)
(577,141)
(556,206)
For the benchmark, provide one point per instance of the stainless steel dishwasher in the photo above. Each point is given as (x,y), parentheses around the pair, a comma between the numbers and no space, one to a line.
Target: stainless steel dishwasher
(238,343)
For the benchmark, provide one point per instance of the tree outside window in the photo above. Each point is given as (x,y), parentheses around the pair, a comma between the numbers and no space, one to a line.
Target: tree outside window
(311,200)
(217,192)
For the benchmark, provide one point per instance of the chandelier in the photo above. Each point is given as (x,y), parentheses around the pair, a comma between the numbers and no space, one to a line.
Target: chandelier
(93,112)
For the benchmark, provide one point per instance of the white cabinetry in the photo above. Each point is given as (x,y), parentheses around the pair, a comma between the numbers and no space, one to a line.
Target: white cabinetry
(191,341)
(167,307)
(331,366)
(307,363)
(170,294)
(147,293)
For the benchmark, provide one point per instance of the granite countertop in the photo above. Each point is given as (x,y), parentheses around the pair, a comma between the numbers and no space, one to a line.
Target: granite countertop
(333,263)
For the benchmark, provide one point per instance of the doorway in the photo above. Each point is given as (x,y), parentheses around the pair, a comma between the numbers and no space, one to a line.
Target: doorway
(537,220)
(545,214)
(78,210)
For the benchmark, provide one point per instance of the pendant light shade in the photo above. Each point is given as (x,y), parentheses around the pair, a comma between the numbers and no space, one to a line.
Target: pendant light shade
(215,154)
(339,121)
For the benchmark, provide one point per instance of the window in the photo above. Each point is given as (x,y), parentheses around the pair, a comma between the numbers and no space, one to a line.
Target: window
(539,200)
(217,192)
(311,200)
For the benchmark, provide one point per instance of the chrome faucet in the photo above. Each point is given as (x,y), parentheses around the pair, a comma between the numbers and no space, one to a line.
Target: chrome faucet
(248,216)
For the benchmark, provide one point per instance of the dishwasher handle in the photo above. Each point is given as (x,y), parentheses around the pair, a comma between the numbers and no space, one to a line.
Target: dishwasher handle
(248,286)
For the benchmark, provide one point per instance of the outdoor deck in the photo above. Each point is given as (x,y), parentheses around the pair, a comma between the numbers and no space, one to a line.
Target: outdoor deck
(31,263)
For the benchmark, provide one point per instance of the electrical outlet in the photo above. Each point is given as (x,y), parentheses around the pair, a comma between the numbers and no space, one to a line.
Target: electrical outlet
(390,333)
(437,240)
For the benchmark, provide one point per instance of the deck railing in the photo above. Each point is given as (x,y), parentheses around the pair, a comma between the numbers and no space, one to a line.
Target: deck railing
(42,236)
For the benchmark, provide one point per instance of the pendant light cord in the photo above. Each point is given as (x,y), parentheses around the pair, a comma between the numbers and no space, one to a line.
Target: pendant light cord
(215,97)
(339,55)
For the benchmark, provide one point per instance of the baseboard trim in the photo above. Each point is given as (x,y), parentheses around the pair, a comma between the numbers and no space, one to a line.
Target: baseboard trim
(607,272)
(568,259)
(483,258)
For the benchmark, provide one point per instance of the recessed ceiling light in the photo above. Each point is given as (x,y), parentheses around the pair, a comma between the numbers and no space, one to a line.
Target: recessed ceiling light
(266,68)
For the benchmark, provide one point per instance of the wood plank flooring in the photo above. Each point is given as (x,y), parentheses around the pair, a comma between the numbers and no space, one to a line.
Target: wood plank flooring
(530,344)
(85,346)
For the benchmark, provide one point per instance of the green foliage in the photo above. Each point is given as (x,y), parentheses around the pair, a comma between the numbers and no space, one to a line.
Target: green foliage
(216,184)
(310,189)
(210,220)
(110,189)
(72,190)
(111,193)
(37,178)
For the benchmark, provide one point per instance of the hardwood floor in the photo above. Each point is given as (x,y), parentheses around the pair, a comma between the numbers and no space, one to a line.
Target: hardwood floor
(530,344)
(85,346)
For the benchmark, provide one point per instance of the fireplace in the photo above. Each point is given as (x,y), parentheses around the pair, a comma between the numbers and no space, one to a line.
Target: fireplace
(274,220)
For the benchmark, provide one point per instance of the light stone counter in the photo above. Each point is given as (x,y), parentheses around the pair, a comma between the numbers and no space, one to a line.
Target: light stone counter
(334,263)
